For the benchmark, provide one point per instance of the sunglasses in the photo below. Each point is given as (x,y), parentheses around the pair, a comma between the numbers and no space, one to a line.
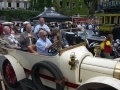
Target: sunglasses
(44,35)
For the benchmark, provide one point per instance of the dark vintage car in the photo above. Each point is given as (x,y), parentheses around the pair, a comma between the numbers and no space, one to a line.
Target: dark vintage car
(79,36)
(90,37)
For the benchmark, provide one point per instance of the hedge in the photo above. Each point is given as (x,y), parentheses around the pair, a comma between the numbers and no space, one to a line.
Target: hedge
(21,14)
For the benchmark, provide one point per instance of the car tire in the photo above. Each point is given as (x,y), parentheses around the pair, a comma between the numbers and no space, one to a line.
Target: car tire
(58,72)
(107,88)
(51,68)
(9,74)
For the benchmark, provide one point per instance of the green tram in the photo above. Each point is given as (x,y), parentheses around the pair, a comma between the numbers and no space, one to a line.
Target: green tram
(107,22)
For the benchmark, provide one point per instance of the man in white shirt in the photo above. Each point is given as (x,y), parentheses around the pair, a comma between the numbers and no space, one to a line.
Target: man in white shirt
(42,26)
(90,27)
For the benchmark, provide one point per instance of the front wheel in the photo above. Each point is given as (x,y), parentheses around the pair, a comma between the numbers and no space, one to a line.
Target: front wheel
(9,74)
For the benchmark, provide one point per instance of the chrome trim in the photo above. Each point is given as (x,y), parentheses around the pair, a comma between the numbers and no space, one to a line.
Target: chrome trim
(116,73)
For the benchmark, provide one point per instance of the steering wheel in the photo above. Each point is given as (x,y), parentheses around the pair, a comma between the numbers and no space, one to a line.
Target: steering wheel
(54,47)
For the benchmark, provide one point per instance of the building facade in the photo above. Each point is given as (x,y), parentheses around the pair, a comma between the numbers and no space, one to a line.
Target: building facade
(109,4)
(73,7)
(14,4)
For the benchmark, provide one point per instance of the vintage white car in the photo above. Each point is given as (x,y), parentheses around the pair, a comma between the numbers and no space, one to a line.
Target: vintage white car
(72,68)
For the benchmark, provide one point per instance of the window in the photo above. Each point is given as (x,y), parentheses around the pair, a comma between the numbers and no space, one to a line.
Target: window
(118,19)
(25,5)
(73,5)
(80,6)
(107,19)
(0,5)
(17,5)
(102,20)
(113,19)
(61,4)
(9,4)
(68,5)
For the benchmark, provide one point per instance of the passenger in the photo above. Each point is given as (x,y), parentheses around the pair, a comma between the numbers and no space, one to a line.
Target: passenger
(27,38)
(55,35)
(42,26)
(43,43)
(10,39)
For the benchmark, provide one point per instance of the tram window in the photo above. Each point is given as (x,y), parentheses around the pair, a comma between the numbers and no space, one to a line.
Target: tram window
(101,20)
(113,19)
(118,19)
(107,19)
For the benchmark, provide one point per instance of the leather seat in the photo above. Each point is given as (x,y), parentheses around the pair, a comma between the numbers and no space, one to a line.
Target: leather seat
(32,49)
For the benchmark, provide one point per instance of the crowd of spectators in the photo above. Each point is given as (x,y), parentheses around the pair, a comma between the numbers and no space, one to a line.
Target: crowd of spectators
(39,34)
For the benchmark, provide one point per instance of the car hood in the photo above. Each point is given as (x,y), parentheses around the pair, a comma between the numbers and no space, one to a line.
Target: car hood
(96,38)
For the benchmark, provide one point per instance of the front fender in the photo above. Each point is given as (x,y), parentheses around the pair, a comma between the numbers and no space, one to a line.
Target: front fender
(100,82)
(19,71)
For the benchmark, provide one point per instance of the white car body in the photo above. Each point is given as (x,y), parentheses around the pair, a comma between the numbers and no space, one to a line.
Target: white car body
(89,69)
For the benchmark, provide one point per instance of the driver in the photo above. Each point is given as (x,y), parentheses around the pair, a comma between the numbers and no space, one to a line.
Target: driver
(43,43)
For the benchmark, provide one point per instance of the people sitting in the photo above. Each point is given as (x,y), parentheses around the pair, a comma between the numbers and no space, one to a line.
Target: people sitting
(55,35)
(10,39)
(43,43)
(27,38)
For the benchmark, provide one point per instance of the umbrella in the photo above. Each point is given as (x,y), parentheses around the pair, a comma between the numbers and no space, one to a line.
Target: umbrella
(26,22)
(7,23)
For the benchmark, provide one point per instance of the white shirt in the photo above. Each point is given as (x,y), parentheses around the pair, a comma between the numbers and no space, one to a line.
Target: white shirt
(79,26)
(90,27)
(43,26)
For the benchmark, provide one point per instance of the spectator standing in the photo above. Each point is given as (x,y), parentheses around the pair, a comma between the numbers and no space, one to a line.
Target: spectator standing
(42,26)
(116,32)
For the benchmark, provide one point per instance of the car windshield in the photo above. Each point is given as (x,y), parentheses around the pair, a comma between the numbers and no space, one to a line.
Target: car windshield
(88,33)
(70,37)
(81,33)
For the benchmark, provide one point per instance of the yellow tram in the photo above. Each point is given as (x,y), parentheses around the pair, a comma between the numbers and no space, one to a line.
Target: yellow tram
(107,21)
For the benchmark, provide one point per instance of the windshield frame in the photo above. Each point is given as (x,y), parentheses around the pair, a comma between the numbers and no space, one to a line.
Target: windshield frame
(73,46)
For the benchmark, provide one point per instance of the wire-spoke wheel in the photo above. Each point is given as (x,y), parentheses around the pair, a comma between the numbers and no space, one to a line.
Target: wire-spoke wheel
(9,74)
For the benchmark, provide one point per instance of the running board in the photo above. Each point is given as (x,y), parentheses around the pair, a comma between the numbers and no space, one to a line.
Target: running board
(28,83)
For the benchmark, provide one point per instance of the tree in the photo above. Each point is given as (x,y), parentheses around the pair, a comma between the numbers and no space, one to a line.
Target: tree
(40,4)
(65,8)
(92,5)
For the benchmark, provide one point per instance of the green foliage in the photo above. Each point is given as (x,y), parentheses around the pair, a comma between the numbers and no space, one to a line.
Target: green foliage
(40,4)
(91,5)
(22,14)
(79,8)
(64,10)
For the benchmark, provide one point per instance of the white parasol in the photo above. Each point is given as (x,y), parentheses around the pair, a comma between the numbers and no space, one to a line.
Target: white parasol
(7,23)
(26,22)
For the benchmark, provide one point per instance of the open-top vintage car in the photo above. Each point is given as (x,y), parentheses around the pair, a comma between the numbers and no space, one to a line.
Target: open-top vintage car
(71,68)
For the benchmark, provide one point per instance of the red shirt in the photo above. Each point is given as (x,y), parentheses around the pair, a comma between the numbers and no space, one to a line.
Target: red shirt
(1,29)
(108,48)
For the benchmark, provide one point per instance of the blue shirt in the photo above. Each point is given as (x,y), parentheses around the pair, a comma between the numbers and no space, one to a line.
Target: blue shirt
(41,46)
